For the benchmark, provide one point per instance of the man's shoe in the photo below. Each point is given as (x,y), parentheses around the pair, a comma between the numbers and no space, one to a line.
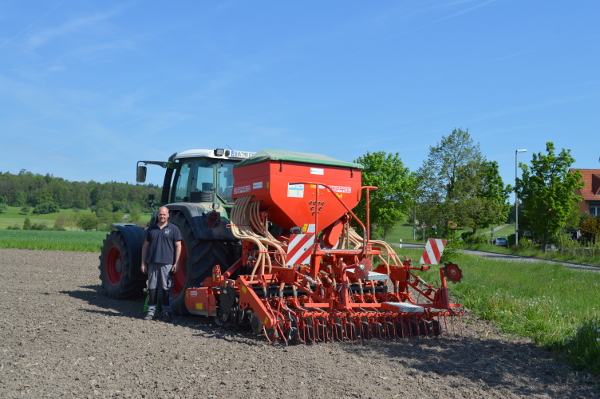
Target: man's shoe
(149,317)
(166,317)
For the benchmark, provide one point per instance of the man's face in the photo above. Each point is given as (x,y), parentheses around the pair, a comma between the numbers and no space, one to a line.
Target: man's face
(163,215)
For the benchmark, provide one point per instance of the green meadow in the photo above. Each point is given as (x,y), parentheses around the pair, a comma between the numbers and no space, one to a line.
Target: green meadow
(13,216)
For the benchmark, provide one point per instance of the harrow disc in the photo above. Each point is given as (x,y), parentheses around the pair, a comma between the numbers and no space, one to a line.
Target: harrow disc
(453,272)
(365,330)
(402,330)
(292,335)
(351,331)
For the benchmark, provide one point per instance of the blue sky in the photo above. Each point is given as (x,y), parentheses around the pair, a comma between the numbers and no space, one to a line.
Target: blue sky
(87,88)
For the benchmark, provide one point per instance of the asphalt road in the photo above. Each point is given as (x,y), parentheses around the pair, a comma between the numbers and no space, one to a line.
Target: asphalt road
(513,258)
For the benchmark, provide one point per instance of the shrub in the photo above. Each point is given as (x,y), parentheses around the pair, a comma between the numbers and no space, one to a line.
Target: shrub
(61,221)
(524,243)
(472,238)
(27,224)
(45,208)
(39,226)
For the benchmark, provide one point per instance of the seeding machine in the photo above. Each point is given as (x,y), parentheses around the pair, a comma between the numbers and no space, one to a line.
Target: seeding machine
(277,252)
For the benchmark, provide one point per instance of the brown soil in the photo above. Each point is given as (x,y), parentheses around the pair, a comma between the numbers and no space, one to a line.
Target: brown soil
(60,336)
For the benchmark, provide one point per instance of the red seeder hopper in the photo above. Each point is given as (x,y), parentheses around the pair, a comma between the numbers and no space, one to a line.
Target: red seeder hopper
(304,274)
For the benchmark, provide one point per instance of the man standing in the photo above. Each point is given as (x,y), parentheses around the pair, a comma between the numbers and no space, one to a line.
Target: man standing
(160,255)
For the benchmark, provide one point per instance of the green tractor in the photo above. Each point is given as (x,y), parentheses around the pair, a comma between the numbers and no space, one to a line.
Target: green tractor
(197,189)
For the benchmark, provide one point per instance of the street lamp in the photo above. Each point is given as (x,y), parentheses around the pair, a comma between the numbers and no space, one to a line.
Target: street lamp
(516,197)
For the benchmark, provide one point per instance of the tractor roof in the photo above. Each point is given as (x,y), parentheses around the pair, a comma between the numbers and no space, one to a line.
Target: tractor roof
(292,156)
(218,153)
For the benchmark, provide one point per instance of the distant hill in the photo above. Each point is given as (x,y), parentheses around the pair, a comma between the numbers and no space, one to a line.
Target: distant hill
(28,189)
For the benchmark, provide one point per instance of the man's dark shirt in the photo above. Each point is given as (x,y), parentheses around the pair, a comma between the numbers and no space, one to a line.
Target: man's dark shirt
(161,248)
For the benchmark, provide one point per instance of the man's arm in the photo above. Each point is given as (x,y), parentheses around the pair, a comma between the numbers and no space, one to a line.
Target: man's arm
(177,255)
(144,269)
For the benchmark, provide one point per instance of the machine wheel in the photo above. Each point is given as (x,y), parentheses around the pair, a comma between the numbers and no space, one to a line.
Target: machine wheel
(198,257)
(114,268)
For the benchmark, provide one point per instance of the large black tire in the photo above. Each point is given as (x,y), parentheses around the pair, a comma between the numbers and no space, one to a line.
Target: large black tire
(198,257)
(115,264)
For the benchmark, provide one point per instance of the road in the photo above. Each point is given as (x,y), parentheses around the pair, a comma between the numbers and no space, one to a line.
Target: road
(513,258)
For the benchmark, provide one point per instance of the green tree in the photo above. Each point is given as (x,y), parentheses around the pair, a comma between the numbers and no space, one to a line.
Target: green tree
(117,217)
(19,198)
(449,179)
(25,209)
(395,189)
(546,190)
(489,206)
(3,207)
(27,224)
(135,216)
(88,221)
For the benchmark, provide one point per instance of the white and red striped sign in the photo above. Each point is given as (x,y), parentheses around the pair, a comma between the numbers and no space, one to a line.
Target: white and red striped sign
(300,249)
(433,251)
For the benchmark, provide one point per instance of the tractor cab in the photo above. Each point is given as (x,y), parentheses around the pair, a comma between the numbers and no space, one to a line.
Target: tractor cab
(196,176)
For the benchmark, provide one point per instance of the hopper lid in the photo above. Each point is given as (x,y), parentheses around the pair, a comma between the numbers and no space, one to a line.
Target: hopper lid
(293,156)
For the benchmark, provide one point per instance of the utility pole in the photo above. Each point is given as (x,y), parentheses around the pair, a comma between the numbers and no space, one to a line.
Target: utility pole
(517,197)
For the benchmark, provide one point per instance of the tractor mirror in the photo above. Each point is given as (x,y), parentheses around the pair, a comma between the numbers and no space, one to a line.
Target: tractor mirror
(140,175)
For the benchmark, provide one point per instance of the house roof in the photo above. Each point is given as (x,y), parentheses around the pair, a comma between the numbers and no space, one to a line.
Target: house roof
(591,190)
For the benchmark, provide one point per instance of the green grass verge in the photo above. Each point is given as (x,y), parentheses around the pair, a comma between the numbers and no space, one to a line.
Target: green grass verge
(558,308)
(83,241)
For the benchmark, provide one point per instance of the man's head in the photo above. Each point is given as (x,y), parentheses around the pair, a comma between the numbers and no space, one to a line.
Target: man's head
(163,215)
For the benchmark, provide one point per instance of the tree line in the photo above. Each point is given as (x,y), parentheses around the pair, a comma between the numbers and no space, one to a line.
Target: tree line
(457,187)
(46,193)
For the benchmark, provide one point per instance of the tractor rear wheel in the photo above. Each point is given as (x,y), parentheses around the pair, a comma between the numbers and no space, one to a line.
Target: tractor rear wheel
(198,257)
(115,272)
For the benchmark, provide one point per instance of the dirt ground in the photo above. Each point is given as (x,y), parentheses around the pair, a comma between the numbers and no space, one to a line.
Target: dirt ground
(61,337)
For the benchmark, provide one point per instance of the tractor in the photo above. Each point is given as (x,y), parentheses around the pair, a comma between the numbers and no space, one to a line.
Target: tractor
(270,242)
(197,190)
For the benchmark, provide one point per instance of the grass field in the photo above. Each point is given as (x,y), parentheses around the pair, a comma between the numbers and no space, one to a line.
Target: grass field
(558,308)
(83,241)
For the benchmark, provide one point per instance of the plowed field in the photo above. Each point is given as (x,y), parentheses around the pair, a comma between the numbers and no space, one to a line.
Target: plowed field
(60,336)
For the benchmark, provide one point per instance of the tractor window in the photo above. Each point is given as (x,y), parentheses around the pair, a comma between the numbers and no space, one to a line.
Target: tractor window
(195,181)
(203,177)
(181,187)
(225,181)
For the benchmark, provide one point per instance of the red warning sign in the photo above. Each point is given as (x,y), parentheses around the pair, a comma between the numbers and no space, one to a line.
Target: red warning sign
(433,251)
(300,249)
